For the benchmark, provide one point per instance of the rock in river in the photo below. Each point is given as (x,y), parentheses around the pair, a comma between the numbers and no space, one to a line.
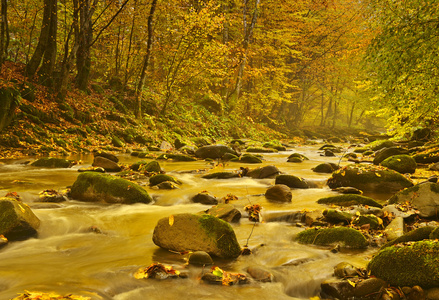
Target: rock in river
(369,178)
(17,221)
(97,187)
(184,232)
(213,151)
(345,237)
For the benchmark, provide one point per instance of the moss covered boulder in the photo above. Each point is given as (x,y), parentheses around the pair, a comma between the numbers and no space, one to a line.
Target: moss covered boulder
(17,221)
(297,157)
(385,153)
(143,166)
(159,178)
(214,151)
(345,237)
(408,265)
(400,163)
(418,234)
(190,232)
(369,178)
(424,197)
(247,158)
(176,157)
(326,168)
(273,145)
(52,162)
(427,156)
(96,187)
(349,200)
(292,181)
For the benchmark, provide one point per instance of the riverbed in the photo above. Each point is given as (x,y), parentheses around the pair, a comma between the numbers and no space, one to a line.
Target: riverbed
(69,257)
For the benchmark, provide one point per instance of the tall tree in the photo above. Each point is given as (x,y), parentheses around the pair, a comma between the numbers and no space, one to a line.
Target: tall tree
(4,31)
(46,47)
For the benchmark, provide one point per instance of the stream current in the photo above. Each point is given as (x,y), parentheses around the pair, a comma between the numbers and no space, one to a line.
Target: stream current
(67,258)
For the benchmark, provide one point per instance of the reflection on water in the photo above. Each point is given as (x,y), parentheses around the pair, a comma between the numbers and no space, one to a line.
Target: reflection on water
(68,257)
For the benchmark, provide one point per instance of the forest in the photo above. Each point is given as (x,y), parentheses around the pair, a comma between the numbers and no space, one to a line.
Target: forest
(220,66)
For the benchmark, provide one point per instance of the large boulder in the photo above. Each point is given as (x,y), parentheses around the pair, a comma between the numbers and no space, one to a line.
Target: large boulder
(263,172)
(9,97)
(190,232)
(279,193)
(349,200)
(345,237)
(424,197)
(97,187)
(369,178)
(408,264)
(17,221)
(52,162)
(107,164)
(213,151)
(400,163)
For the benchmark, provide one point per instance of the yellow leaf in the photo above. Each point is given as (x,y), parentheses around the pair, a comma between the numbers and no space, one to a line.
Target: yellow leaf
(171,220)
(352,283)
(377,174)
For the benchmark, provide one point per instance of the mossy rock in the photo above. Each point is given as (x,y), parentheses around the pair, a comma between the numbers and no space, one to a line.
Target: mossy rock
(221,175)
(52,162)
(190,232)
(159,178)
(337,216)
(408,265)
(361,149)
(261,150)
(247,159)
(418,234)
(275,146)
(229,157)
(151,167)
(136,166)
(385,153)
(176,157)
(96,187)
(17,221)
(326,168)
(427,156)
(200,141)
(349,200)
(213,151)
(345,237)
(400,163)
(263,172)
(292,181)
(369,178)
(298,155)
(380,144)
(117,142)
(373,221)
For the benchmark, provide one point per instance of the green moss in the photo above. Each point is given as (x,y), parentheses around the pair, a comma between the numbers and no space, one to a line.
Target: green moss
(412,236)
(435,188)
(336,216)
(151,167)
(409,265)
(349,200)
(276,146)
(222,233)
(91,186)
(247,159)
(301,156)
(371,220)
(52,162)
(400,163)
(380,144)
(156,179)
(346,237)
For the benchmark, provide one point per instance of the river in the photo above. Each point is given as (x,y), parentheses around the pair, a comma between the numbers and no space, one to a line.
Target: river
(67,257)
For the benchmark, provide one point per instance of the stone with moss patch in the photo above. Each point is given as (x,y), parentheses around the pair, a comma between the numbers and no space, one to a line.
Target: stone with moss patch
(247,159)
(52,162)
(292,181)
(408,265)
(349,200)
(176,157)
(337,216)
(428,156)
(371,220)
(424,197)
(345,237)
(261,150)
(190,232)
(214,151)
(369,178)
(96,187)
(418,234)
(17,221)
(385,153)
(159,178)
(400,163)
(276,146)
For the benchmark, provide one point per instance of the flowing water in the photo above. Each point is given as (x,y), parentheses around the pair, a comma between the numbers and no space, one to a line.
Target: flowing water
(67,257)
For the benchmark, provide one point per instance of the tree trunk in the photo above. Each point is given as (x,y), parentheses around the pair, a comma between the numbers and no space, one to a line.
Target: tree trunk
(49,58)
(45,40)
(85,38)
(4,32)
(145,61)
